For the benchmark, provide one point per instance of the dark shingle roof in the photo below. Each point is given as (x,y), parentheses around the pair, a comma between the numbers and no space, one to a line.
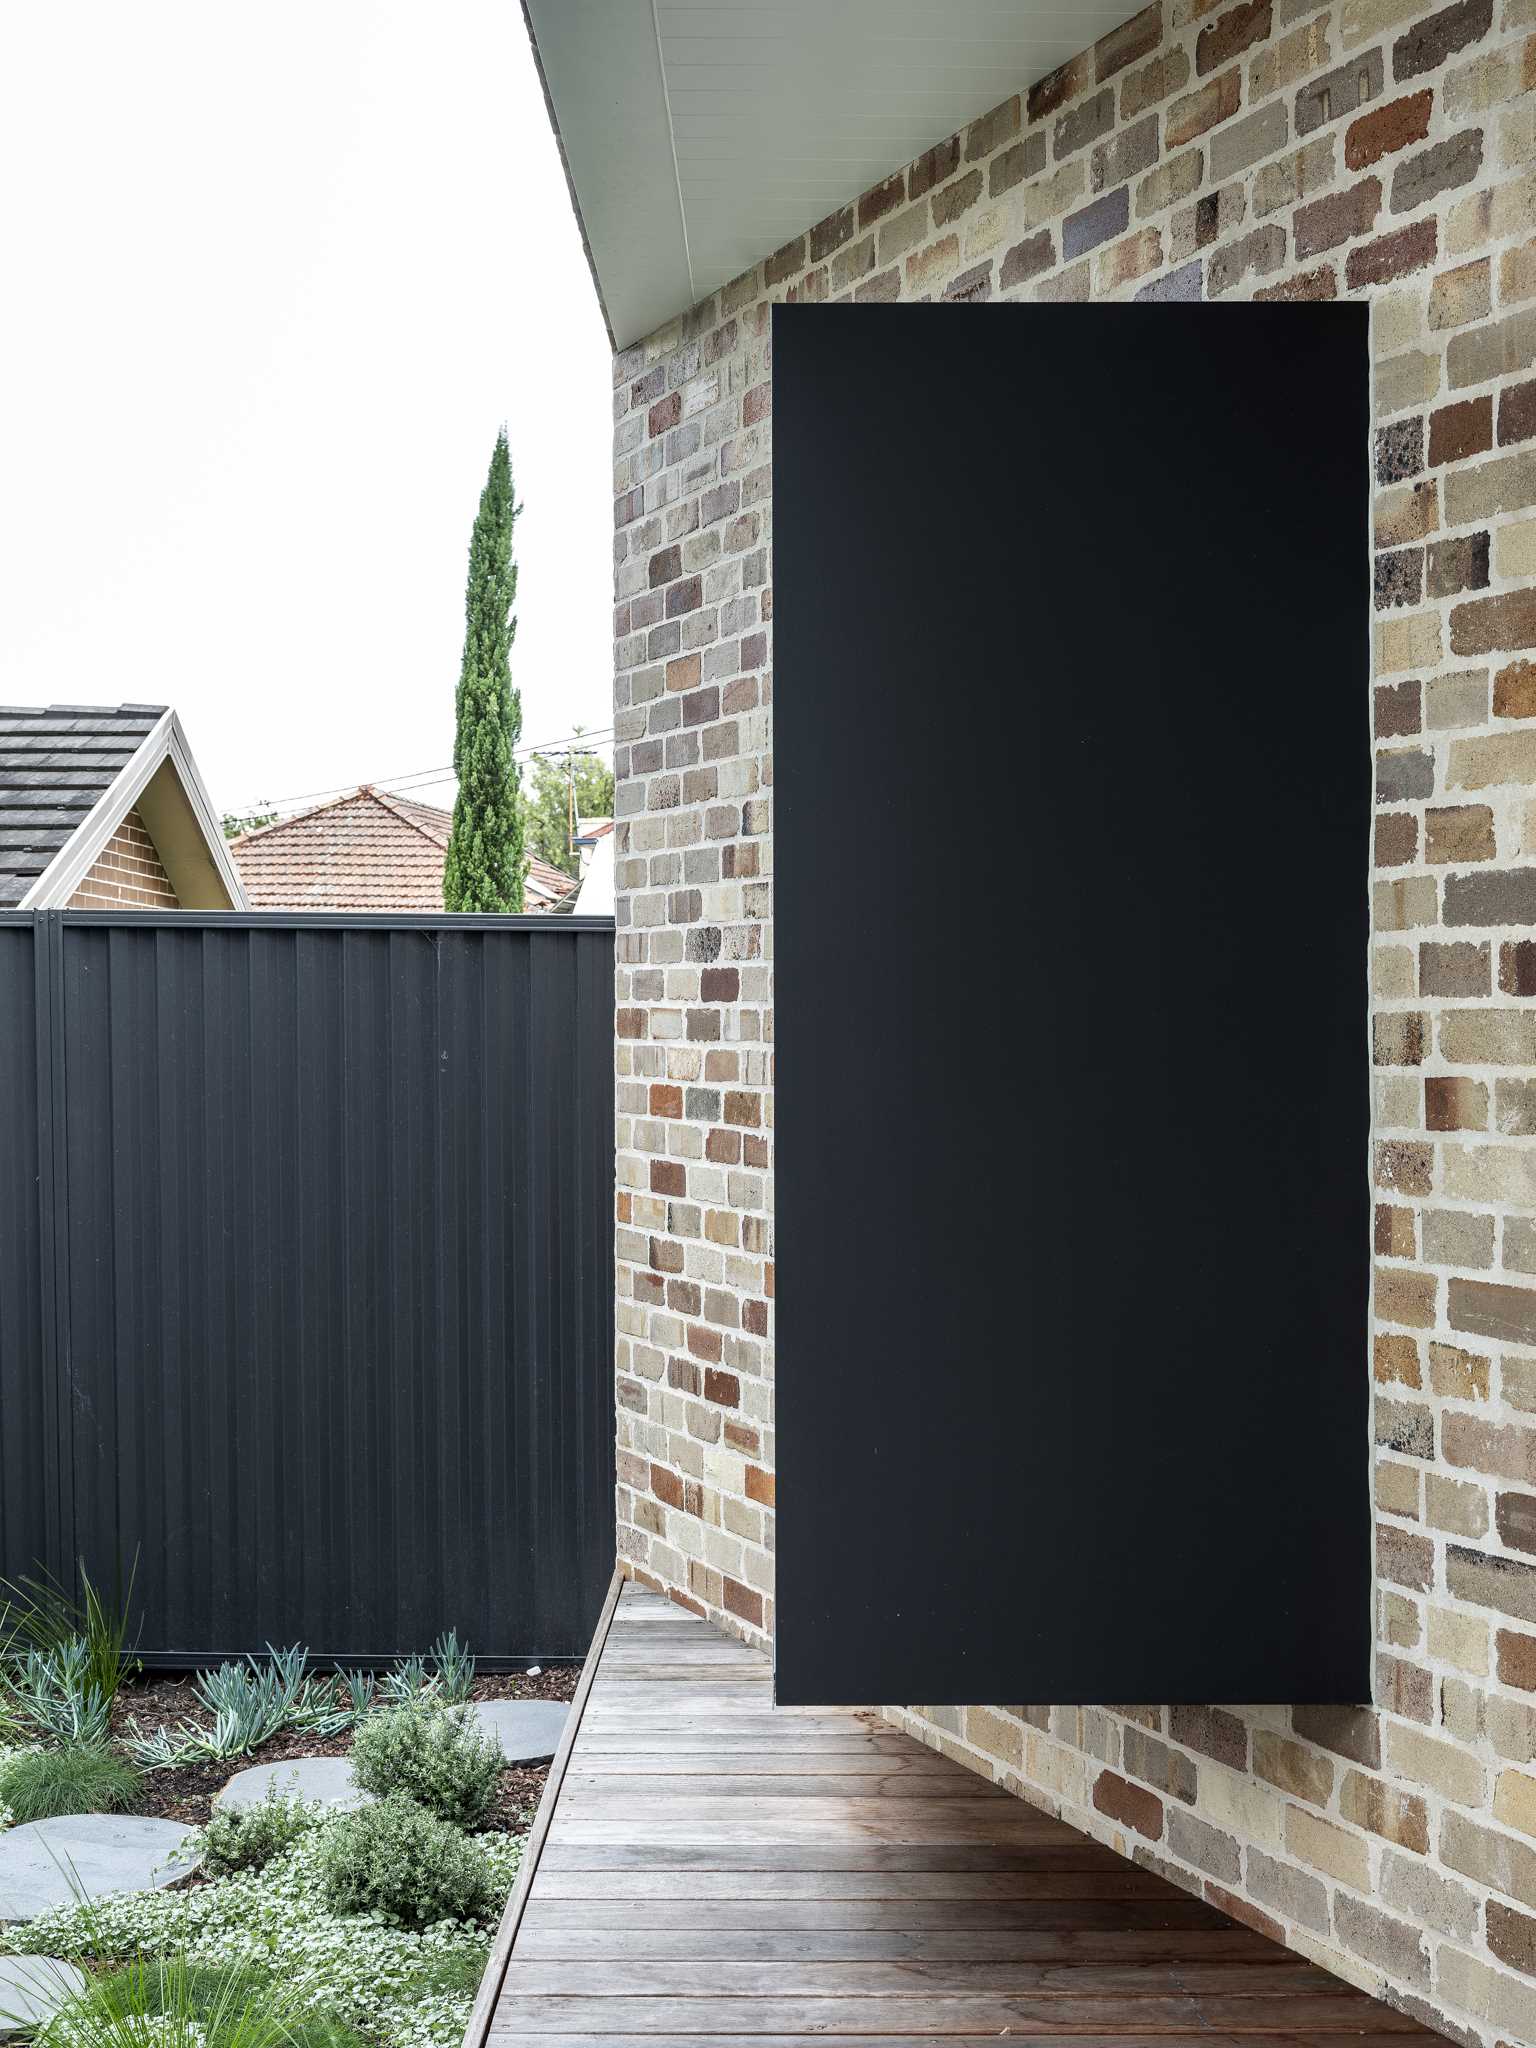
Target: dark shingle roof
(54,765)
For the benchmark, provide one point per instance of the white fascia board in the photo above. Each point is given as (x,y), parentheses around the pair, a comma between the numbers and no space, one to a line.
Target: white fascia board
(80,852)
(602,70)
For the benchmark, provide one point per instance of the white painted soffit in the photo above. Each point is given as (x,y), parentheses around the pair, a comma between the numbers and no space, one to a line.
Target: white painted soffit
(701,135)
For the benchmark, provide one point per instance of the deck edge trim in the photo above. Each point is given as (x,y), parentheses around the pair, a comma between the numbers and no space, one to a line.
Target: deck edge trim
(477,2032)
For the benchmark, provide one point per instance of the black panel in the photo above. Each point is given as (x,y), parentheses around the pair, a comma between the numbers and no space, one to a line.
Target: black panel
(1072,812)
(328,1335)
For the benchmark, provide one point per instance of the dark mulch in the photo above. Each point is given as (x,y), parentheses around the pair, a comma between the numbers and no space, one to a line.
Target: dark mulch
(186,1793)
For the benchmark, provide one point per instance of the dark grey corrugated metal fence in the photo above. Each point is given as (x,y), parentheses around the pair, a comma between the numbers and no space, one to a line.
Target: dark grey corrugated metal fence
(305,1274)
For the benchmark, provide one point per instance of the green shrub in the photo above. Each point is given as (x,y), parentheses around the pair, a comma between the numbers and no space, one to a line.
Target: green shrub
(399,1861)
(78,1777)
(435,1754)
(177,2004)
(51,1693)
(248,1837)
(40,1614)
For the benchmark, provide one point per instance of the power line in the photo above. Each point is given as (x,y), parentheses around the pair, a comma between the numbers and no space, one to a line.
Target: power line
(411,777)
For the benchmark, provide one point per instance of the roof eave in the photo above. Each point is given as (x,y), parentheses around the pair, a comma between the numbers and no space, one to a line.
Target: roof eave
(166,740)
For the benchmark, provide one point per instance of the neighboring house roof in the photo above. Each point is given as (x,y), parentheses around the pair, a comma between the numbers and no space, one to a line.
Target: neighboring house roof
(370,850)
(69,775)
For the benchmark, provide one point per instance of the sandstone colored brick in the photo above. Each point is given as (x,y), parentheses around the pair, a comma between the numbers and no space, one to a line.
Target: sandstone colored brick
(1458,297)
(1454,365)
(1381,1809)
(1506,757)
(1461,833)
(1499,1861)
(1502,348)
(1169,183)
(1296,1770)
(1291,59)
(1324,1846)
(1442,1767)
(1149,87)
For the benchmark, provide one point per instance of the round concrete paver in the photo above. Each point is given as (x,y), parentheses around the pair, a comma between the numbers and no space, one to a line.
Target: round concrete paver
(529,1731)
(323,1780)
(91,1855)
(31,1989)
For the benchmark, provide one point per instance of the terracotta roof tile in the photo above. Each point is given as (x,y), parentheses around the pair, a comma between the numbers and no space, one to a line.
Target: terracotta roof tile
(371,850)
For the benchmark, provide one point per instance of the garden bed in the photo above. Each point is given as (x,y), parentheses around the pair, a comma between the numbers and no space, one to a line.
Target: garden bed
(186,1791)
(365,1928)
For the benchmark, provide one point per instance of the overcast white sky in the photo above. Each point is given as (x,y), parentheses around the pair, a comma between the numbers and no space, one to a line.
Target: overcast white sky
(272,278)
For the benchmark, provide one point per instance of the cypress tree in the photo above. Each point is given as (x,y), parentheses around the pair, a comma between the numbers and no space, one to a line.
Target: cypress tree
(485,865)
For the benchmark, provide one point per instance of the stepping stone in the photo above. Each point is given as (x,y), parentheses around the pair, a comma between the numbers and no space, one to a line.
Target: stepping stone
(529,1731)
(324,1780)
(32,1989)
(54,1862)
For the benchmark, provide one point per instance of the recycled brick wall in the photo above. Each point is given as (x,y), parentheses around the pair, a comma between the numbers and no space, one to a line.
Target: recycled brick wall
(1277,149)
(127,874)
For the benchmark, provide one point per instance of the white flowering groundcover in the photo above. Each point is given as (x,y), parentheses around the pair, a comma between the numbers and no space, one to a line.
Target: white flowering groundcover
(403,1989)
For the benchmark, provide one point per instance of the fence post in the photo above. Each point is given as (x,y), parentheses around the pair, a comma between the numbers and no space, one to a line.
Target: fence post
(53,1246)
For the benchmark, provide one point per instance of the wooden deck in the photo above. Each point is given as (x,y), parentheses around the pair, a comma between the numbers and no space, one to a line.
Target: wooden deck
(707,1869)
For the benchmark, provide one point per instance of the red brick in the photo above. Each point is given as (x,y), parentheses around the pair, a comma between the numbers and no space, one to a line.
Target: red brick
(722,1387)
(1517,1660)
(1395,255)
(1387,128)
(1212,103)
(666,1486)
(1312,284)
(1461,430)
(1134,39)
(743,1602)
(1517,413)
(785,262)
(882,199)
(760,1485)
(1230,33)
(1129,1804)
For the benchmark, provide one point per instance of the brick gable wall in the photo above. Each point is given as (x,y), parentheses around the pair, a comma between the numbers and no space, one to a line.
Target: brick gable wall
(127,875)
(1274,148)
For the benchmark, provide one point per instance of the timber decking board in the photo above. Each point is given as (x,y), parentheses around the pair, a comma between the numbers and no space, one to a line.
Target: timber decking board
(712,1871)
